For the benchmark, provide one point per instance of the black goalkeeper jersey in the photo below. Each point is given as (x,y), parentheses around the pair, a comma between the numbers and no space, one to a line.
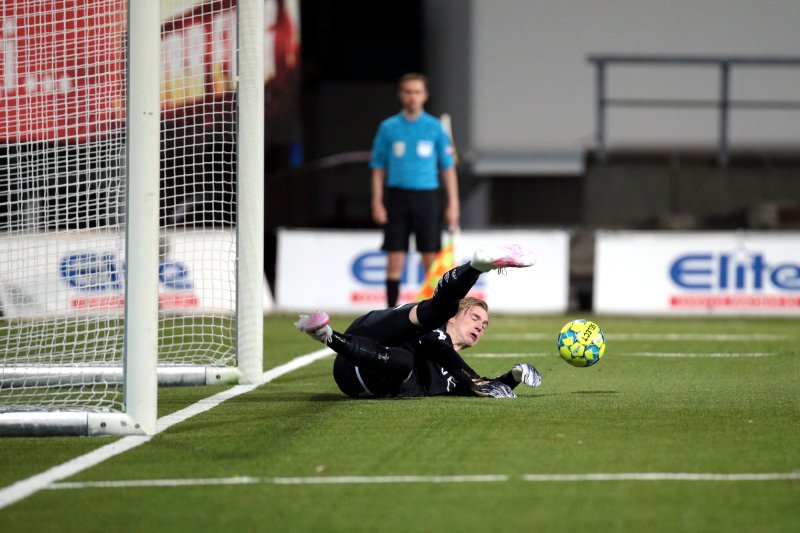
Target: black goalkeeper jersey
(438,369)
(427,377)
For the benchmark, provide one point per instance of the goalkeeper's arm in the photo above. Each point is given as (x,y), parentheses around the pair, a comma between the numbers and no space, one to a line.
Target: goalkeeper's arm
(433,347)
(441,352)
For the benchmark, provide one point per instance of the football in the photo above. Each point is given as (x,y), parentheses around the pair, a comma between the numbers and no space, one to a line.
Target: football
(581,343)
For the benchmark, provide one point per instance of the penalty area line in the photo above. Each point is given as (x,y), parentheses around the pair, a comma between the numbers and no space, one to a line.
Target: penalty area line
(480,478)
(29,486)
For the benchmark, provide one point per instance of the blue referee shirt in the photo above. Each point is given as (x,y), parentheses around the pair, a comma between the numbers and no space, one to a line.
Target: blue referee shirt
(412,152)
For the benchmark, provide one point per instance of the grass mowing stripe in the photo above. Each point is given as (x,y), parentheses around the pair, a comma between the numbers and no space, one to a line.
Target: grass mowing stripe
(480,478)
(26,487)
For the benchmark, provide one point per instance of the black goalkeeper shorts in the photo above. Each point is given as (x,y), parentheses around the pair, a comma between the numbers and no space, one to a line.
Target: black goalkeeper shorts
(358,382)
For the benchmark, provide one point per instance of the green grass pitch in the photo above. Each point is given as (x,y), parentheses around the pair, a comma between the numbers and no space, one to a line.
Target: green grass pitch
(671,397)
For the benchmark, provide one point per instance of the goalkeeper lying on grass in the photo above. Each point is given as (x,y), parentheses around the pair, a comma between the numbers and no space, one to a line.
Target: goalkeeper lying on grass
(413,349)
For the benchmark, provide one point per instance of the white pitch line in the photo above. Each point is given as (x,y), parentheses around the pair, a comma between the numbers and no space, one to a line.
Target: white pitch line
(522,355)
(361,480)
(524,336)
(480,478)
(683,354)
(245,480)
(137,483)
(665,476)
(510,355)
(26,487)
(694,337)
(652,337)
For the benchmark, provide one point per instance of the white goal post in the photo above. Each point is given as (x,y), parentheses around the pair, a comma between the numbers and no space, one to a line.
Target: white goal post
(131,208)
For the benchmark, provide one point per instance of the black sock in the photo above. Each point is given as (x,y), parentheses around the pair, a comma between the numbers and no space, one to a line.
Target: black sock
(364,352)
(454,285)
(457,282)
(392,291)
(508,379)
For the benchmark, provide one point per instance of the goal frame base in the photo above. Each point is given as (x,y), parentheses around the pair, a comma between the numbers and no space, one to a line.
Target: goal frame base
(168,375)
(67,424)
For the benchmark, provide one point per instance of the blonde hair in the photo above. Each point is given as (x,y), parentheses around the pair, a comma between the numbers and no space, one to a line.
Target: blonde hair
(469,302)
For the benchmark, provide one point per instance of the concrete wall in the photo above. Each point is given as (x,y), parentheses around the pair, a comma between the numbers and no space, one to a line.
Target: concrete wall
(515,71)
(691,192)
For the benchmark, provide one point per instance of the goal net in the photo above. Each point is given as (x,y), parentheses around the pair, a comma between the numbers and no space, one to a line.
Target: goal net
(122,234)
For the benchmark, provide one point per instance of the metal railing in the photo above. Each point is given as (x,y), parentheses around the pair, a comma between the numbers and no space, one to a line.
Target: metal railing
(724,104)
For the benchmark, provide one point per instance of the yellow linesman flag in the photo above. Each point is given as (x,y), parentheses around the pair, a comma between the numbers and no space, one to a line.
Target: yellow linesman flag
(444,261)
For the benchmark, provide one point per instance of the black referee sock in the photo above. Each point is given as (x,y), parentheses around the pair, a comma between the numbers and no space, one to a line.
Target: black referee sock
(367,353)
(392,292)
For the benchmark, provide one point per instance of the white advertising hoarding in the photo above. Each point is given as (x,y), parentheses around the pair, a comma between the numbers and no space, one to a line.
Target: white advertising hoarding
(726,273)
(83,272)
(345,271)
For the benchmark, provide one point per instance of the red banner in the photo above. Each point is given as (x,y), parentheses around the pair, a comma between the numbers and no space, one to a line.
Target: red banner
(62,65)
(61,69)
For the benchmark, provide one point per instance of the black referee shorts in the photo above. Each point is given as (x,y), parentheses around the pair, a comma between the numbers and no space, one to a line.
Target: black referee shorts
(417,212)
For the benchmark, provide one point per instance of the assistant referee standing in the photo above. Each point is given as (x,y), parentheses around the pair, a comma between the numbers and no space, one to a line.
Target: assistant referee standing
(410,150)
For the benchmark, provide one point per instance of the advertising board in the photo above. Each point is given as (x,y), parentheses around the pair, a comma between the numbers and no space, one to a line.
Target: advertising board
(726,273)
(345,271)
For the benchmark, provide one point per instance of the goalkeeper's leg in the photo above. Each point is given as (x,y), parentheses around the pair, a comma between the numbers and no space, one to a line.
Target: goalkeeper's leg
(361,351)
(366,353)
(457,282)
